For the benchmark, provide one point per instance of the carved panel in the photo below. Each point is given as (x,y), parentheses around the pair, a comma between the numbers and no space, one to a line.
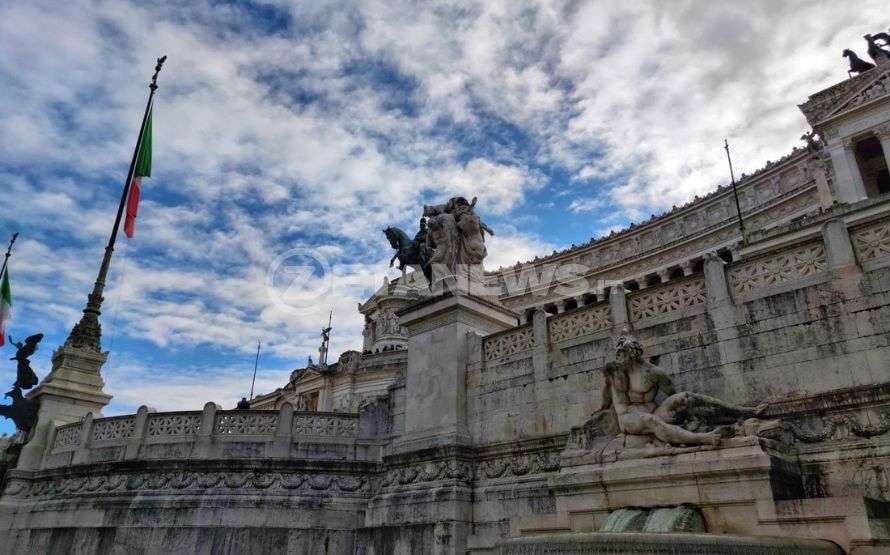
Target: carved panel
(504,344)
(667,298)
(67,435)
(173,424)
(120,427)
(243,423)
(791,265)
(872,242)
(580,322)
(324,425)
(185,481)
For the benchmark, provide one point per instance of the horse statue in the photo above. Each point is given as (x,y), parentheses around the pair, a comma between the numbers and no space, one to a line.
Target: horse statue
(857,65)
(408,251)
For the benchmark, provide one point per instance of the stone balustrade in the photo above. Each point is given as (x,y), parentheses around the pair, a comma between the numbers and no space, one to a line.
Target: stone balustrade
(819,250)
(213,434)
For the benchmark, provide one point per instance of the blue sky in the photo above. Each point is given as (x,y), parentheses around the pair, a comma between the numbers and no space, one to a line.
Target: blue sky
(313,125)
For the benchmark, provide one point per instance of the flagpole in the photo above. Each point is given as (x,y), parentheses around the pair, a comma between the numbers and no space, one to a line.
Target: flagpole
(256,363)
(8,254)
(87,332)
(735,193)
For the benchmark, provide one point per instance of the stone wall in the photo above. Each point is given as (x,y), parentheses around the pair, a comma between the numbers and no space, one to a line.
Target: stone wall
(800,323)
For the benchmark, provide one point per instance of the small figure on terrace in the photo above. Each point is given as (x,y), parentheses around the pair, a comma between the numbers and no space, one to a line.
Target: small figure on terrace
(25,378)
(631,387)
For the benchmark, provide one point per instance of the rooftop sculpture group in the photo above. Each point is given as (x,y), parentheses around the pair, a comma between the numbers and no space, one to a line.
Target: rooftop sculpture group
(878,44)
(450,241)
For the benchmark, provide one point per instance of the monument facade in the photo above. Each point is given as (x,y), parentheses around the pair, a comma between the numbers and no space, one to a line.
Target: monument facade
(668,385)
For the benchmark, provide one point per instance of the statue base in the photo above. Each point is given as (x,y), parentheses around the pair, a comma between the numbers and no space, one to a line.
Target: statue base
(435,379)
(747,486)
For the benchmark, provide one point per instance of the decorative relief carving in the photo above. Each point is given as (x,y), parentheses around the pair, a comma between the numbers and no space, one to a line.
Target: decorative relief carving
(318,425)
(872,242)
(119,427)
(838,427)
(67,435)
(519,465)
(173,425)
(879,88)
(792,265)
(506,344)
(580,322)
(668,298)
(246,424)
(427,472)
(189,481)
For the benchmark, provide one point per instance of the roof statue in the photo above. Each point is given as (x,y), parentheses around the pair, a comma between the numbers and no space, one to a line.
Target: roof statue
(22,411)
(875,50)
(456,238)
(857,65)
(450,241)
(409,252)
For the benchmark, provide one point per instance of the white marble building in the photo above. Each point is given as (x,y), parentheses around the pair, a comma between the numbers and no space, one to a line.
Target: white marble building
(465,425)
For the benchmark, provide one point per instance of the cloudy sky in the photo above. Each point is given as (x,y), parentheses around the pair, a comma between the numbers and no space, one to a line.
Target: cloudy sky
(301,129)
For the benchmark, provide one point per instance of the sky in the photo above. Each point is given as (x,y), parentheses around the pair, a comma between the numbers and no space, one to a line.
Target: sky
(287,135)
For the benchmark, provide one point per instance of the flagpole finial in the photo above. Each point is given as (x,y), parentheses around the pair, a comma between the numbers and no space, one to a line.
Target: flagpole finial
(154,78)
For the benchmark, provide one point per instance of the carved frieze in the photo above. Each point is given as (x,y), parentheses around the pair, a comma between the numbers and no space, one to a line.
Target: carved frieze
(173,424)
(518,465)
(427,472)
(789,265)
(324,425)
(120,427)
(67,435)
(872,242)
(577,323)
(668,298)
(838,427)
(511,343)
(203,482)
(246,424)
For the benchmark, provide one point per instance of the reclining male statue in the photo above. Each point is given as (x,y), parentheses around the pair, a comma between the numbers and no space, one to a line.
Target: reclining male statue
(631,388)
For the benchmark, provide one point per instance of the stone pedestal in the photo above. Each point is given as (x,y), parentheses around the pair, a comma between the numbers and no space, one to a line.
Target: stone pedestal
(748,486)
(435,380)
(73,389)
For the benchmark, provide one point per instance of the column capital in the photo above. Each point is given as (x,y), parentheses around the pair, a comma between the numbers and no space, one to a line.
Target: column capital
(882,132)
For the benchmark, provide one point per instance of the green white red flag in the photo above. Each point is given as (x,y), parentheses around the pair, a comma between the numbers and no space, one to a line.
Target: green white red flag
(142,169)
(5,305)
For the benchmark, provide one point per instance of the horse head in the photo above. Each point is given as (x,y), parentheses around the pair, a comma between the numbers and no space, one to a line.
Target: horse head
(848,53)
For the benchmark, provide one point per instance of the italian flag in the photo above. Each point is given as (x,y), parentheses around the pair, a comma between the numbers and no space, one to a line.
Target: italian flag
(5,306)
(143,169)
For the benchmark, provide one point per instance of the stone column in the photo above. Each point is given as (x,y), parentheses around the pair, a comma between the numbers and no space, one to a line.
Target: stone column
(541,353)
(883,135)
(579,300)
(715,280)
(641,283)
(138,437)
(204,441)
(664,275)
(838,248)
(686,267)
(327,400)
(618,302)
(283,431)
(848,182)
